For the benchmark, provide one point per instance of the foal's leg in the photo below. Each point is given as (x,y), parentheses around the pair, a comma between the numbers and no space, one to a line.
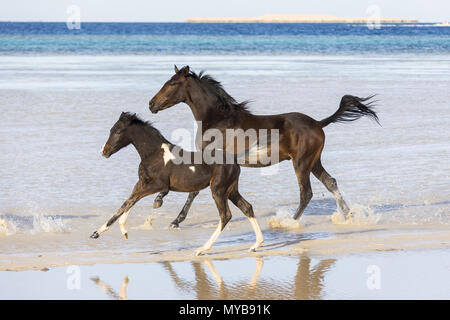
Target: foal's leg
(247,209)
(330,183)
(225,216)
(183,213)
(140,190)
(302,169)
(158,202)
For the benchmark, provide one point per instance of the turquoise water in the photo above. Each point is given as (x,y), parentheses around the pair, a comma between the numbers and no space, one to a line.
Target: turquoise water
(216,38)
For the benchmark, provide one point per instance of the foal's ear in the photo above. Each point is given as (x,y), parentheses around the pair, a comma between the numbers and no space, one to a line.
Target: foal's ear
(176,68)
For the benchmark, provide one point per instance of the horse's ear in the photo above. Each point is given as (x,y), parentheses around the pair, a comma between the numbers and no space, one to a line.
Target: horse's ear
(176,68)
(185,70)
(122,115)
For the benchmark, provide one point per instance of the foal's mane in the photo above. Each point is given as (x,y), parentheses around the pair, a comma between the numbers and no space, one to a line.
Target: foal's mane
(134,119)
(225,102)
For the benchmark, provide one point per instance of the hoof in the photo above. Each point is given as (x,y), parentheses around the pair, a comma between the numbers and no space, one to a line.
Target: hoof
(125,236)
(174,225)
(348,216)
(198,253)
(95,235)
(157,203)
(252,249)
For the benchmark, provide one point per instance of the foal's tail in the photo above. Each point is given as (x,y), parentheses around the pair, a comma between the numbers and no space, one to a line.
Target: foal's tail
(352,108)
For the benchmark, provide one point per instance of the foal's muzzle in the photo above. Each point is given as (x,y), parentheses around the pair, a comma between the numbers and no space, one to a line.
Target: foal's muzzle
(106,151)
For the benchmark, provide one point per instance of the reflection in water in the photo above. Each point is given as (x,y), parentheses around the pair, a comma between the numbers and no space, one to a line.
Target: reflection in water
(306,283)
(110,291)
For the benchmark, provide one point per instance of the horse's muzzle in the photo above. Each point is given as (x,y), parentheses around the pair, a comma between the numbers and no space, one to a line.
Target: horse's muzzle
(152,107)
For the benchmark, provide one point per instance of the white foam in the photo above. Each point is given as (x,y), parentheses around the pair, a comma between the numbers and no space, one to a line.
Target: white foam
(42,223)
(361,215)
(283,220)
(37,223)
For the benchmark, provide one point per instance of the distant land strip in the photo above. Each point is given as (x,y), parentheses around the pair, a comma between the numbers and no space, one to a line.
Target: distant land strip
(299,18)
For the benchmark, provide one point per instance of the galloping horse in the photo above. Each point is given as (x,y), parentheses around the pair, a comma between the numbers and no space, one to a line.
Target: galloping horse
(301,138)
(159,173)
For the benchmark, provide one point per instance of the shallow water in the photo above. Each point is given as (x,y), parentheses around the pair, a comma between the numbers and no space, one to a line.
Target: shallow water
(391,275)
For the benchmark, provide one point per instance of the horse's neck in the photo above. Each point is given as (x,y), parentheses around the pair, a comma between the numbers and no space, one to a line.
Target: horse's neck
(203,105)
(146,142)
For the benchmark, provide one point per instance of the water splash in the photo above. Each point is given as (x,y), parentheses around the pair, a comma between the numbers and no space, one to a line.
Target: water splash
(43,223)
(361,216)
(147,225)
(7,228)
(283,220)
(12,224)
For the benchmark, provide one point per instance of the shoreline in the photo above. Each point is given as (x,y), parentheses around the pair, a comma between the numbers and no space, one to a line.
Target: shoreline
(352,239)
(298,18)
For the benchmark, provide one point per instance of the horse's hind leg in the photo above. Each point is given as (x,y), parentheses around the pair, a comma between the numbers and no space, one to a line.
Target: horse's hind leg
(183,213)
(158,202)
(247,209)
(302,169)
(330,183)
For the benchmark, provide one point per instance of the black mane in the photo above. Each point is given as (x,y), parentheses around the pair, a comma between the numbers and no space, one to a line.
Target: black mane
(133,119)
(226,103)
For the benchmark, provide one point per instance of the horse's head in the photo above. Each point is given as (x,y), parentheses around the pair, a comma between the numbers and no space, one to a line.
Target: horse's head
(172,92)
(118,135)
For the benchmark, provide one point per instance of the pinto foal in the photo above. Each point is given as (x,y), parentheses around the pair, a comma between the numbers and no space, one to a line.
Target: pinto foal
(159,173)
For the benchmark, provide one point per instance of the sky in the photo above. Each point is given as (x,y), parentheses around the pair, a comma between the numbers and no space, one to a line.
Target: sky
(179,10)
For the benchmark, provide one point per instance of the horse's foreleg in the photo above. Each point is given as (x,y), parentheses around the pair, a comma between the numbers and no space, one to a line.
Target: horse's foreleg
(140,190)
(225,216)
(159,199)
(247,209)
(183,213)
(330,183)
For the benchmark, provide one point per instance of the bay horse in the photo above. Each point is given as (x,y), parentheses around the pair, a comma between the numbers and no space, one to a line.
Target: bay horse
(301,138)
(158,173)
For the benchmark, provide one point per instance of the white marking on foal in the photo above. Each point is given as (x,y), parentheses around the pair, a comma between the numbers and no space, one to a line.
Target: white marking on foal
(167,154)
(192,168)
(103,148)
(258,233)
(103,228)
(122,224)
(211,240)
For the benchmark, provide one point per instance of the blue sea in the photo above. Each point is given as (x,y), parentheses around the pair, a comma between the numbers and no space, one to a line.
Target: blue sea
(219,38)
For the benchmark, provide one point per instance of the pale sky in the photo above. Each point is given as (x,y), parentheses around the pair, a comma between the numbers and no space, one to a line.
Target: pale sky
(178,10)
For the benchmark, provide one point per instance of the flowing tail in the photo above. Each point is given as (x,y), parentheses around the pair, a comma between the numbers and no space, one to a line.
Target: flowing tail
(352,108)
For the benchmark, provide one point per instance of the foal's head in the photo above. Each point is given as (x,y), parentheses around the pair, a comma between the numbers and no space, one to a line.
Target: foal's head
(119,135)
(172,92)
